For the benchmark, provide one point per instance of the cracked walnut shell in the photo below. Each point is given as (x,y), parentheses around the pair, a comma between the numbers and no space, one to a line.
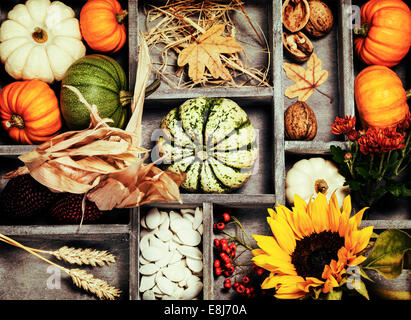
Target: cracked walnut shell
(298,46)
(296,14)
(321,19)
(300,122)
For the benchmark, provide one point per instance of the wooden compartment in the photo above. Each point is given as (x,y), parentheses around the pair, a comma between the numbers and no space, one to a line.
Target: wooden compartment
(26,277)
(265,107)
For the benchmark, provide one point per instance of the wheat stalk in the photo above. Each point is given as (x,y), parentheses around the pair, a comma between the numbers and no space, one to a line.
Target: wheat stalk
(84,256)
(99,287)
(81,278)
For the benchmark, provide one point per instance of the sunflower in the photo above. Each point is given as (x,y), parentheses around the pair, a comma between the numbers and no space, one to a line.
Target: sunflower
(311,246)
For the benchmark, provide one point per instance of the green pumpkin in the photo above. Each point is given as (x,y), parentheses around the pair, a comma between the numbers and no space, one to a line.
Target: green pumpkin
(102,82)
(212,141)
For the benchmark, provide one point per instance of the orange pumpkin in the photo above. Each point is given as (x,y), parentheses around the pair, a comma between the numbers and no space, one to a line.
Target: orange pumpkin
(385,33)
(29,111)
(102,25)
(380,97)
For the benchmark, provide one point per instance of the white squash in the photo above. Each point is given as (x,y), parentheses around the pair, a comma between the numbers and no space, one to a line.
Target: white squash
(308,177)
(40,40)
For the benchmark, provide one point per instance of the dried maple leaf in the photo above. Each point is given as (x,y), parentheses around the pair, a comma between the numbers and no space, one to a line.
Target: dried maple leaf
(306,80)
(205,52)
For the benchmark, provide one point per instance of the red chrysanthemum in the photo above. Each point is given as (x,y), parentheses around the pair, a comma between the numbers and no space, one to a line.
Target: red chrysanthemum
(405,124)
(377,140)
(343,125)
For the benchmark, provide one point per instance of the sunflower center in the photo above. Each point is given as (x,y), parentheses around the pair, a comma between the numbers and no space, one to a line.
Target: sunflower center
(312,253)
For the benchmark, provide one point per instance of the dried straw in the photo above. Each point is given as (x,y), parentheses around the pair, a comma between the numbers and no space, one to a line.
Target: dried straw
(173,26)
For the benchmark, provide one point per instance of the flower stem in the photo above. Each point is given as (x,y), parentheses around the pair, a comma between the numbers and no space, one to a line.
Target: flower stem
(381,163)
(237,240)
(385,167)
(403,156)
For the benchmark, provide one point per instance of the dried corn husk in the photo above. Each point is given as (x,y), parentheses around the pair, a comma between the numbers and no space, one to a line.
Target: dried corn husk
(105,163)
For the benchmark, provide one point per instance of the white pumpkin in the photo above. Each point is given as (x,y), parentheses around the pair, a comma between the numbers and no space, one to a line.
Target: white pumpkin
(40,40)
(308,177)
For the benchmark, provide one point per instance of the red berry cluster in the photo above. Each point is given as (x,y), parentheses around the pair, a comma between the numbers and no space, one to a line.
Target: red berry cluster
(242,287)
(219,226)
(223,264)
(245,287)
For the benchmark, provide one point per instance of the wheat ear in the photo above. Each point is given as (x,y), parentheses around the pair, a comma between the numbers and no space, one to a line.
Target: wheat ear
(84,256)
(81,278)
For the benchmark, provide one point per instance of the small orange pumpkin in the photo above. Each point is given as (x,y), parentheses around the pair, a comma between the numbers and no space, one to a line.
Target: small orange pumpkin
(102,25)
(385,34)
(380,97)
(29,111)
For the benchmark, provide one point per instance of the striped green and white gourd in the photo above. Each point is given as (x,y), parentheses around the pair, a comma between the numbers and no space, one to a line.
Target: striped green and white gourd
(212,141)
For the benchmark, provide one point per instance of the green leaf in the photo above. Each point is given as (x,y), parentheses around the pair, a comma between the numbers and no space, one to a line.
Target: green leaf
(334,295)
(364,275)
(362,172)
(338,154)
(395,189)
(354,185)
(361,289)
(388,253)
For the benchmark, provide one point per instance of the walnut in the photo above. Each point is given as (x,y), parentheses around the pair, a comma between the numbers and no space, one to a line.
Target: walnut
(321,19)
(300,122)
(298,46)
(296,14)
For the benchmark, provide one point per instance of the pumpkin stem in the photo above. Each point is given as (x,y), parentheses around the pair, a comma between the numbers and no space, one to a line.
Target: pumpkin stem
(39,35)
(321,185)
(121,16)
(125,97)
(408,92)
(362,31)
(16,120)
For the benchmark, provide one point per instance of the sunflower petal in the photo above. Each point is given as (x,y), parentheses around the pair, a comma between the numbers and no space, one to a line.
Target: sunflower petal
(319,213)
(283,234)
(271,247)
(308,283)
(274,265)
(335,213)
(345,216)
(363,238)
(358,217)
(290,217)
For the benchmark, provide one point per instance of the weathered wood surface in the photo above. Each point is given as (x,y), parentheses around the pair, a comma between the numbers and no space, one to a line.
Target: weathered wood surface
(265,106)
